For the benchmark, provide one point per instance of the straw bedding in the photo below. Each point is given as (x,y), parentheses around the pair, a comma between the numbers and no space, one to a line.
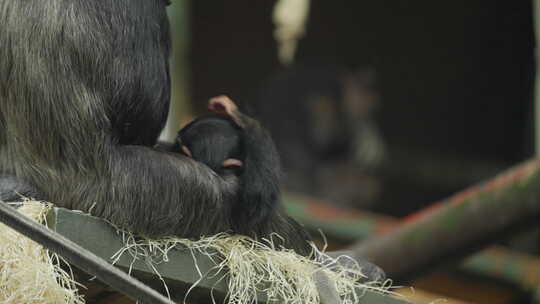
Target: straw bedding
(31,274)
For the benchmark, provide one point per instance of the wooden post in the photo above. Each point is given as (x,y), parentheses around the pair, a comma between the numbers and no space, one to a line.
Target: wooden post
(536,17)
(180,108)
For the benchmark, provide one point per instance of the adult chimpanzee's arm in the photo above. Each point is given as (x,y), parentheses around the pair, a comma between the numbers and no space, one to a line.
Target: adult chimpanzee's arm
(143,190)
(84,86)
(156,194)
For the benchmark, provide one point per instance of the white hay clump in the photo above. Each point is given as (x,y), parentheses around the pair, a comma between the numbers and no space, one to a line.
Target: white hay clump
(254,268)
(28,272)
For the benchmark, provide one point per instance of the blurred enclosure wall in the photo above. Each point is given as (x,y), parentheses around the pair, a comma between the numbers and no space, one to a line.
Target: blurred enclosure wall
(454,79)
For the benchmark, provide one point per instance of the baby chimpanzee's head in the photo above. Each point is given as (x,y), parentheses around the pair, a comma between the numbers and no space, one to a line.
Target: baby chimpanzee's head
(215,141)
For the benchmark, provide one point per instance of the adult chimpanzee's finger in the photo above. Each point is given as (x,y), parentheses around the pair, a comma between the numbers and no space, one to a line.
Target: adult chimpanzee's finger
(232,162)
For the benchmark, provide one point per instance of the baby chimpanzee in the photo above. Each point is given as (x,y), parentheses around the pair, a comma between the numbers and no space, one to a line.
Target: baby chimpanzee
(214,140)
(232,143)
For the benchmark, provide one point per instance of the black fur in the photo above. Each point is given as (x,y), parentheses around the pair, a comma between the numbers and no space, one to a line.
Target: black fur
(212,140)
(13,189)
(256,209)
(84,93)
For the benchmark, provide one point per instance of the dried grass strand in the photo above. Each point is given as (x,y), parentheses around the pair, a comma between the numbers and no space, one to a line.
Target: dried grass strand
(29,273)
(256,267)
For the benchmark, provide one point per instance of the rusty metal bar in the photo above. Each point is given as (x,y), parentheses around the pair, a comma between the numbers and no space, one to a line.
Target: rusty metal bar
(459,225)
(337,223)
(346,225)
(507,265)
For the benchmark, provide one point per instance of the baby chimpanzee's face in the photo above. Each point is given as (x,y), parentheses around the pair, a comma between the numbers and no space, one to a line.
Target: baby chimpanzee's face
(215,141)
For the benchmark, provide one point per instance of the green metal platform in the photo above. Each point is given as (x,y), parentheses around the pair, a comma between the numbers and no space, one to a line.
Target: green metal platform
(179,272)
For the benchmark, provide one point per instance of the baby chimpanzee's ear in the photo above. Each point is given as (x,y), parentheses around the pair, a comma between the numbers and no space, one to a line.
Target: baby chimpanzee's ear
(232,162)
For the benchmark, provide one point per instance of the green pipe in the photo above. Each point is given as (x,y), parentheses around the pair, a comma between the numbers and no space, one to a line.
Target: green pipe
(460,225)
(342,224)
(351,225)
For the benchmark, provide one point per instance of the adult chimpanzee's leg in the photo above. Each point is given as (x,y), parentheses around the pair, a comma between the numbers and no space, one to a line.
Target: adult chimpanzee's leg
(84,87)
(155,194)
(13,189)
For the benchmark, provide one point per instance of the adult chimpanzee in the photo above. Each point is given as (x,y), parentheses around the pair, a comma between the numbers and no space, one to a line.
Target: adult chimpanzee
(84,92)
(233,144)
